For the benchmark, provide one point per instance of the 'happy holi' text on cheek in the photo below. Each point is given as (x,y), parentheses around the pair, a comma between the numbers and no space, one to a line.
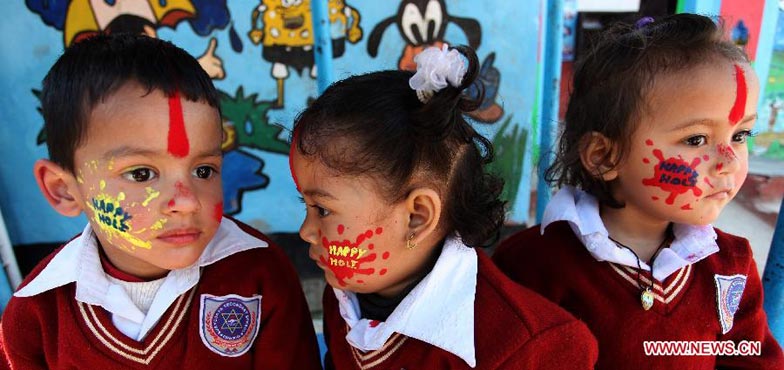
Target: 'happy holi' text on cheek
(673,175)
(113,219)
(346,257)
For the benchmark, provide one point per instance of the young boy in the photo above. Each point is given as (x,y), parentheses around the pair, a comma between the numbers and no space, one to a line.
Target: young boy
(158,278)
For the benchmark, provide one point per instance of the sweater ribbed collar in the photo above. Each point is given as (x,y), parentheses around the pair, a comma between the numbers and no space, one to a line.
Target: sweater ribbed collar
(692,243)
(438,311)
(79,261)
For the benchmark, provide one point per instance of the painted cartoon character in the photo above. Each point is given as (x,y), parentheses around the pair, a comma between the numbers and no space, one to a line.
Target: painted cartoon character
(422,23)
(284,29)
(79,19)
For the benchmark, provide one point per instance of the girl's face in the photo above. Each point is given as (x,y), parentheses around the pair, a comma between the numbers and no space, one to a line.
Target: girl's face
(148,179)
(355,235)
(688,157)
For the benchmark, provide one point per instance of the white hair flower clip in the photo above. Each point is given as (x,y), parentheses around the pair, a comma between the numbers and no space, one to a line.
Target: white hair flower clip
(435,68)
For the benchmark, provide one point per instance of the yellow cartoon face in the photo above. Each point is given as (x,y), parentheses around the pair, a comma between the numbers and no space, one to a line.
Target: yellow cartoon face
(286,22)
(289,23)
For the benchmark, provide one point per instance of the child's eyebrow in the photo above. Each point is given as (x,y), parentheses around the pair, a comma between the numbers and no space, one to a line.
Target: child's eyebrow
(709,122)
(318,194)
(210,153)
(126,151)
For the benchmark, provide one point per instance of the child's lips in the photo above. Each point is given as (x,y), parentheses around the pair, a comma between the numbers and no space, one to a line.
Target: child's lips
(180,236)
(720,195)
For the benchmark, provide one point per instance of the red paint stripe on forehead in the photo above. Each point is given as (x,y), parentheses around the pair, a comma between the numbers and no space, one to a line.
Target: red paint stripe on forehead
(738,109)
(178,138)
(292,150)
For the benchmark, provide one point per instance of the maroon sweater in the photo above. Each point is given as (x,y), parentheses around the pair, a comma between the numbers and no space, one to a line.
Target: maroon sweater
(52,330)
(606,297)
(515,328)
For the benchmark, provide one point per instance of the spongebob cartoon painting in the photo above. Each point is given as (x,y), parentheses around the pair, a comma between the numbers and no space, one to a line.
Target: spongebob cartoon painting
(284,28)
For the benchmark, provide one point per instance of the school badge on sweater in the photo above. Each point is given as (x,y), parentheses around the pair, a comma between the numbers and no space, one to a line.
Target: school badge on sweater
(229,324)
(729,290)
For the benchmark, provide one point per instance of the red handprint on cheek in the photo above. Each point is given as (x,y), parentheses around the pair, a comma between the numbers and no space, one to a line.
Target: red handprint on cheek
(346,258)
(674,175)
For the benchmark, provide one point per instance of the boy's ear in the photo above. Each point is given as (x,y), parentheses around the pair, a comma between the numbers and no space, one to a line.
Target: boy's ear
(599,156)
(424,210)
(58,187)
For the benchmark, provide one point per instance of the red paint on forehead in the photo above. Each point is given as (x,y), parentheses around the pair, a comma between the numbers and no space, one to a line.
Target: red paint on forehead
(738,109)
(217,212)
(648,142)
(178,138)
(382,272)
(385,255)
(292,150)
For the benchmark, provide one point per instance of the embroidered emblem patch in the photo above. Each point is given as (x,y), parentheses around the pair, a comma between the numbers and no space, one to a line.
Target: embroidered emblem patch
(729,290)
(229,323)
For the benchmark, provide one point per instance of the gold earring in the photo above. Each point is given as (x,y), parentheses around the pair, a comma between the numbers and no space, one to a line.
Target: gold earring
(409,244)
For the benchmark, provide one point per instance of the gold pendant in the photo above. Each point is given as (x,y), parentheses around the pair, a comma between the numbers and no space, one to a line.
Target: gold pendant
(647,299)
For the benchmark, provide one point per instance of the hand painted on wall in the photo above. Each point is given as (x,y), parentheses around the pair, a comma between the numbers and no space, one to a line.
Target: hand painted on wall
(422,24)
(78,19)
(284,29)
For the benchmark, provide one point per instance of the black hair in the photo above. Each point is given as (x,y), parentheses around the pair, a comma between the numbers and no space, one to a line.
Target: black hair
(609,87)
(374,124)
(128,23)
(93,69)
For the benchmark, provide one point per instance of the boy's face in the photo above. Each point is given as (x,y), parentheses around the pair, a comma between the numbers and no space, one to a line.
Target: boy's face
(688,157)
(355,236)
(148,179)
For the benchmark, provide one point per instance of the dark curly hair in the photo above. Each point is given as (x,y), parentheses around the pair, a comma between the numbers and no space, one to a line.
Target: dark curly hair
(373,124)
(610,83)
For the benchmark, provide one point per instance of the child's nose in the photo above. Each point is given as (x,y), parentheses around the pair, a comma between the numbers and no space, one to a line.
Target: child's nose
(308,232)
(183,200)
(727,159)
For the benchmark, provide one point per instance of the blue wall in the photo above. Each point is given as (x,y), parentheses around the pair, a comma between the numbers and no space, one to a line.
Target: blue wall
(257,183)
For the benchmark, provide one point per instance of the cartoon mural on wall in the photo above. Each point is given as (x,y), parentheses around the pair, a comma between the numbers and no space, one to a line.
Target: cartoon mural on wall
(770,141)
(256,116)
(284,29)
(246,126)
(78,19)
(422,24)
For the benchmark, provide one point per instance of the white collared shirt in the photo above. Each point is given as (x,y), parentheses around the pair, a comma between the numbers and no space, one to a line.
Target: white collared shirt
(79,261)
(439,310)
(692,243)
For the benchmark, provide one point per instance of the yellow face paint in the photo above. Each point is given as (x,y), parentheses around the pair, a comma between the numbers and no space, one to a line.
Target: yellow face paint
(158,225)
(102,185)
(151,194)
(109,215)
